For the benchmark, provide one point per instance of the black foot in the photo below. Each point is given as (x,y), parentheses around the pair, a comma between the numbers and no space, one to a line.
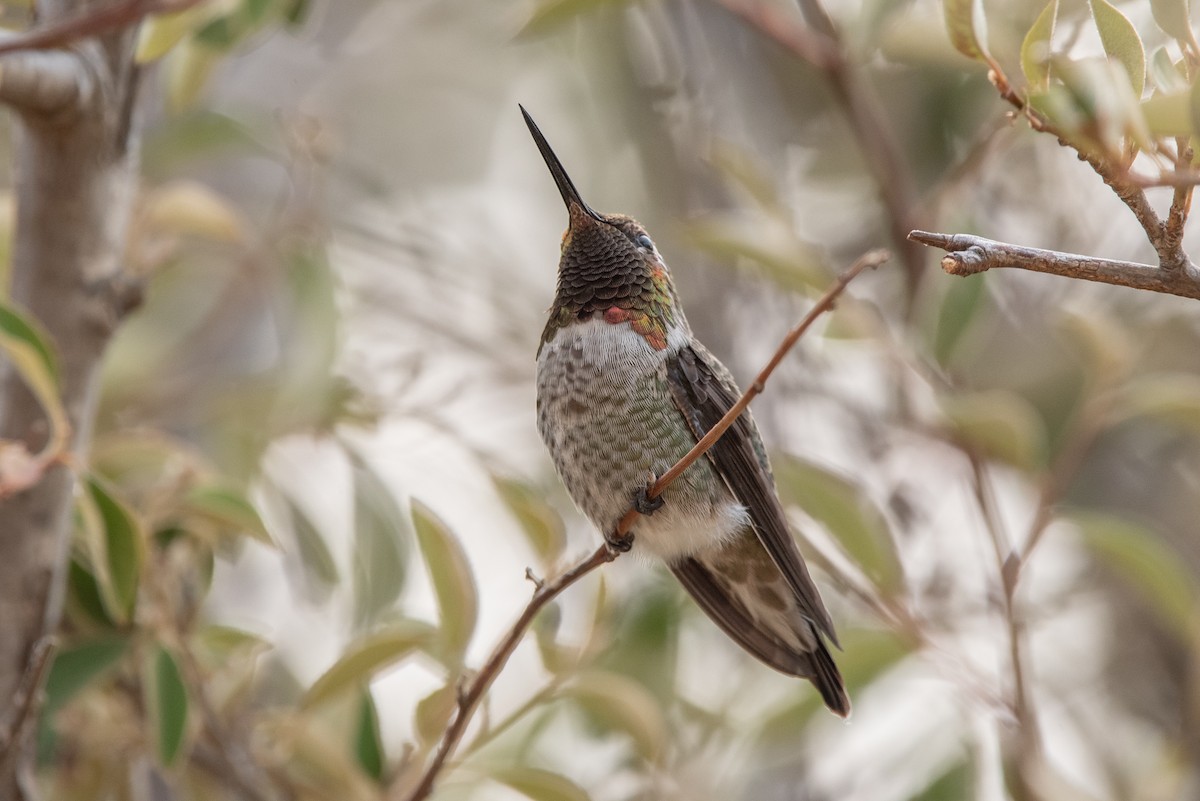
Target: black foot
(619,544)
(644,503)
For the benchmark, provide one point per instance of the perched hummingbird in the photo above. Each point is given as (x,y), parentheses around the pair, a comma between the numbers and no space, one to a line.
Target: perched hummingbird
(624,390)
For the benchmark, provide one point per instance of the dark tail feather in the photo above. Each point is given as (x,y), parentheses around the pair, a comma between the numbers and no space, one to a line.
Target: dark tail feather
(824,674)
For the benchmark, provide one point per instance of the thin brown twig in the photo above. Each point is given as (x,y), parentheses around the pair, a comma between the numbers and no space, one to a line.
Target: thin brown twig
(869,260)
(1008,566)
(551,589)
(238,763)
(27,699)
(1181,203)
(96,20)
(968,255)
(1065,468)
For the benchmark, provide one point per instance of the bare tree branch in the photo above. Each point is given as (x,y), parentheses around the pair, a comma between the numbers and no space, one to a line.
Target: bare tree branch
(968,255)
(74,185)
(547,591)
(96,20)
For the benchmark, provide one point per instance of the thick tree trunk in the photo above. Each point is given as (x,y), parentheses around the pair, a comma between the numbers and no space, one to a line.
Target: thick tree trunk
(75,167)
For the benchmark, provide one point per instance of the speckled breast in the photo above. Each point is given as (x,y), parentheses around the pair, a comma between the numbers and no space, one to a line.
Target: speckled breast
(607,416)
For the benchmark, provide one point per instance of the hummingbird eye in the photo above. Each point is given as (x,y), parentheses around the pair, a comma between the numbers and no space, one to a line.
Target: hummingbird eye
(646,242)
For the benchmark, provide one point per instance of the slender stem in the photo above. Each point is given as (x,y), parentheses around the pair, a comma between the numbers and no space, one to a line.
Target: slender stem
(867,261)
(547,591)
(499,657)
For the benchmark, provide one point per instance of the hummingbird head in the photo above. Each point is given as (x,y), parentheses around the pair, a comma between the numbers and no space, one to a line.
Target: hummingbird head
(609,265)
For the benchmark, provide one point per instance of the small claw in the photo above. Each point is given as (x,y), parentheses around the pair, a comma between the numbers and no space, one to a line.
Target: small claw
(644,503)
(619,544)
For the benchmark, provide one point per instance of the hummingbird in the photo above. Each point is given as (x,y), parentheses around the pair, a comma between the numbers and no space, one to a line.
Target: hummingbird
(624,390)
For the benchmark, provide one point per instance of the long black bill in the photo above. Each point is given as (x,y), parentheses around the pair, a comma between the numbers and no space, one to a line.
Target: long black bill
(569,193)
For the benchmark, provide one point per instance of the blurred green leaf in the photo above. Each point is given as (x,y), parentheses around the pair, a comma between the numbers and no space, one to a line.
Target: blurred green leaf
(645,642)
(551,14)
(1166,74)
(1169,114)
(17,330)
(247,18)
(115,543)
(769,242)
(450,573)
(1194,106)
(310,390)
(1172,17)
(188,67)
(161,32)
(28,349)
(999,425)
(1171,397)
(368,741)
(167,702)
(868,653)
(1035,49)
(556,657)
(222,642)
(1105,341)
(542,524)
(847,513)
(1139,556)
(84,594)
(185,138)
(315,557)
(620,703)
(1121,42)
(79,665)
(228,508)
(366,657)
(1100,108)
(966,25)
(781,725)
(538,784)
(954,784)
(378,545)
(736,164)
(959,307)
(433,713)
(296,12)
(189,208)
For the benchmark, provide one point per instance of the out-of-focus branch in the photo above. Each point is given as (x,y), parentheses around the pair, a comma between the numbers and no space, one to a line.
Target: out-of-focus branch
(1181,203)
(94,21)
(234,759)
(968,255)
(547,591)
(36,76)
(43,82)
(74,181)
(821,45)
(26,700)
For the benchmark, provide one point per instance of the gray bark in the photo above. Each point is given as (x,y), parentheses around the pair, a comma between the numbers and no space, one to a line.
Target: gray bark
(75,168)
